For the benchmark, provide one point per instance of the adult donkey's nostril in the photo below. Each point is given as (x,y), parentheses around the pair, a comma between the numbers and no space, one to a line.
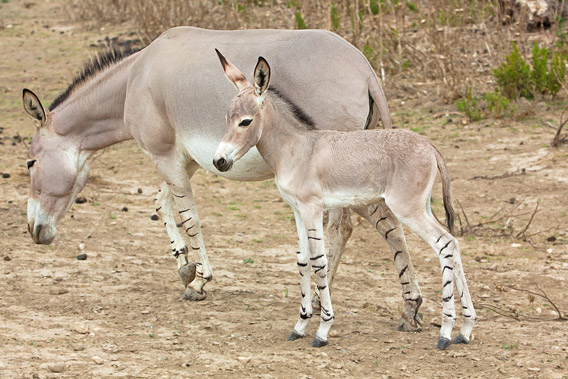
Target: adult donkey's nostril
(220,164)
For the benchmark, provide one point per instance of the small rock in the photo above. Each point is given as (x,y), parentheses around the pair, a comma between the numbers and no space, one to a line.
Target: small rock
(512,200)
(430,310)
(56,367)
(81,328)
(140,190)
(154,217)
(82,257)
(485,295)
(551,239)
(98,360)
(535,369)
(185,364)
(5,175)
(516,245)
(244,360)
(7,258)
(145,312)
(81,200)
(79,348)
(81,246)
(124,209)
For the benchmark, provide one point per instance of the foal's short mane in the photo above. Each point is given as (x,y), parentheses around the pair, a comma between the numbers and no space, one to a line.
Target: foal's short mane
(298,113)
(97,64)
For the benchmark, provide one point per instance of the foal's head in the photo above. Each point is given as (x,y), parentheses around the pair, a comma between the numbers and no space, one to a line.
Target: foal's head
(243,129)
(58,172)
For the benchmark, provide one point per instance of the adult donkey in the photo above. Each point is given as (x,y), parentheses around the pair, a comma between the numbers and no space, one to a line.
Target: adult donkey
(171,97)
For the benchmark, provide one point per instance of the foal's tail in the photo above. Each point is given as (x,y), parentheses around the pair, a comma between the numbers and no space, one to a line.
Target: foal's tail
(446,191)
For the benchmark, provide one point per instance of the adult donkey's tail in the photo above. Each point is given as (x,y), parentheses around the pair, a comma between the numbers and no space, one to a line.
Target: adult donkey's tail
(377,96)
(446,191)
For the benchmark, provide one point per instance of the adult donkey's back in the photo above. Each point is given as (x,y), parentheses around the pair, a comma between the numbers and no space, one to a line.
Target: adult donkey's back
(171,98)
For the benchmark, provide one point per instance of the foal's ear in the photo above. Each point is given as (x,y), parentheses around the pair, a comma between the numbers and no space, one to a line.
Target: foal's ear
(261,77)
(33,107)
(233,73)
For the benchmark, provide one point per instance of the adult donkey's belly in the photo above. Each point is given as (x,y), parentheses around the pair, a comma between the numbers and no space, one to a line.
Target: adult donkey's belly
(318,71)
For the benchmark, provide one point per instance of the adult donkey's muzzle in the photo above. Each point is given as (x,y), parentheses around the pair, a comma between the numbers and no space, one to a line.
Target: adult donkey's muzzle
(222,164)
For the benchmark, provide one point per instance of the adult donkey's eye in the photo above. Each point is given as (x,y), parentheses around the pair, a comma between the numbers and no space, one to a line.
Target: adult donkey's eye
(31,163)
(246,122)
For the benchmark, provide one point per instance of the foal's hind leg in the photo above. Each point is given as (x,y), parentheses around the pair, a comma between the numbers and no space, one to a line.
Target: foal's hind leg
(468,312)
(165,209)
(446,248)
(390,228)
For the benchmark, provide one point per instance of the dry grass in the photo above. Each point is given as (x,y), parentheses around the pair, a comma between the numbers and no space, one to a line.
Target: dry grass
(434,48)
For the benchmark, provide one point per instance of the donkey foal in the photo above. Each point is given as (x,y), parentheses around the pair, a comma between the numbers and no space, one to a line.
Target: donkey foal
(316,170)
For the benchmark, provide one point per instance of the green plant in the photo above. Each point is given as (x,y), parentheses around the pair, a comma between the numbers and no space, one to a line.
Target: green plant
(498,105)
(334,17)
(468,105)
(513,77)
(300,23)
(248,260)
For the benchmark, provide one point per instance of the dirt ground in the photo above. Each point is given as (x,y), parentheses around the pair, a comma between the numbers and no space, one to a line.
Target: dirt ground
(124,303)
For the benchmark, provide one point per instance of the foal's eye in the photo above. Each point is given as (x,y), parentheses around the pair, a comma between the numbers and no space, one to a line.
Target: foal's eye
(246,122)
(31,163)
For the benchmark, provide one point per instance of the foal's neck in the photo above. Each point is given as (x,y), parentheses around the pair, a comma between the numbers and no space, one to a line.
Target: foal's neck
(283,135)
(94,112)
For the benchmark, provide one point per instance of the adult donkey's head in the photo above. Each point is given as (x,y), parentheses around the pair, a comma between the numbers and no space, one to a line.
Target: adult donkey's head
(58,172)
(243,129)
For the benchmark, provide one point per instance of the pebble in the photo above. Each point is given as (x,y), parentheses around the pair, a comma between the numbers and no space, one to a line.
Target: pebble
(7,258)
(124,209)
(5,175)
(243,360)
(81,200)
(56,367)
(154,217)
(81,328)
(98,360)
(140,190)
(82,257)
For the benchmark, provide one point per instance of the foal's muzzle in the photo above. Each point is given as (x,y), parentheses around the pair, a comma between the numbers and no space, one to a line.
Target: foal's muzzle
(222,164)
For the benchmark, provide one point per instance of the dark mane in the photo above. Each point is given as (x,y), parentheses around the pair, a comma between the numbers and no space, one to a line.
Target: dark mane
(298,112)
(97,64)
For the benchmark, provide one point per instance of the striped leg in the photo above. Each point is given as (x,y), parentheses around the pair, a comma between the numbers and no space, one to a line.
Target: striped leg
(165,209)
(390,228)
(468,312)
(339,229)
(445,246)
(303,259)
(312,216)
(177,175)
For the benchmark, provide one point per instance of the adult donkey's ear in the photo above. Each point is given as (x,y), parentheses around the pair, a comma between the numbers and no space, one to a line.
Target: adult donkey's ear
(261,77)
(233,73)
(33,107)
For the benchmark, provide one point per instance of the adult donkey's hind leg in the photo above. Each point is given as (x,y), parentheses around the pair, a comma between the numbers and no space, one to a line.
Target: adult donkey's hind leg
(165,209)
(390,228)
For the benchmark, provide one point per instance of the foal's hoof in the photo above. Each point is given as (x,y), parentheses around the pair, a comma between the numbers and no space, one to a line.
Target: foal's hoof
(443,343)
(294,336)
(187,273)
(460,339)
(191,295)
(318,343)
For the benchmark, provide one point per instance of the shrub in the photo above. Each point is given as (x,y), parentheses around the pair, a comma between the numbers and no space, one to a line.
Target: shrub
(513,77)
(468,105)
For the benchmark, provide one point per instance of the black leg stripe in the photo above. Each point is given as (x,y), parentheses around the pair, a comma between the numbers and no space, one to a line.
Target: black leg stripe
(318,268)
(404,283)
(448,256)
(157,209)
(439,238)
(316,258)
(192,235)
(195,248)
(388,231)
(185,210)
(396,254)
(448,282)
(179,196)
(381,219)
(302,264)
(321,287)
(446,299)
(449,242)
(189,227)
(446,267)
(186,221)
(376,209)
(402,271)
(450,316)
(314,238)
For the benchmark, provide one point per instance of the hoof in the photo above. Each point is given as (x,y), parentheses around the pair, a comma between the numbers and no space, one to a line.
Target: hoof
(187,273)
(443,343)
(318,343)
(191,295)
(294,336)
(460,339)
(405,325)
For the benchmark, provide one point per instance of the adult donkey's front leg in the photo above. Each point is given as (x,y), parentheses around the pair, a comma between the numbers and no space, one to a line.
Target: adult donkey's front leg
(390,228)
(165,209)
(177,175)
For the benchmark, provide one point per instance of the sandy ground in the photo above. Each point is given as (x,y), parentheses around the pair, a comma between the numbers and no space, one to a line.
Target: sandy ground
(124,303)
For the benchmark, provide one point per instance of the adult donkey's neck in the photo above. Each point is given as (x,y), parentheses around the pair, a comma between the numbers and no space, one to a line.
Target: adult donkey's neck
(92,110)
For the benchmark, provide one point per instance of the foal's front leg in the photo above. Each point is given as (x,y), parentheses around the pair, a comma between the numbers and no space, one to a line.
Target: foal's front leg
(312,217)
